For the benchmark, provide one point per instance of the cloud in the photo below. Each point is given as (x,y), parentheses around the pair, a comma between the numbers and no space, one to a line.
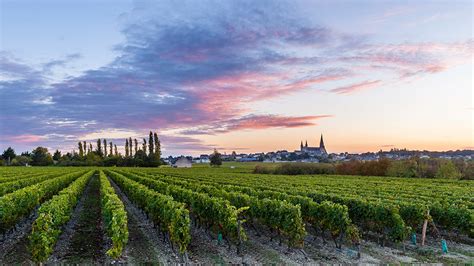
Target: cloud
(111,133)
(412,59)
(191,67)
(26,139)
(387,146)
(392,12)
(184,144)
(253,122)
(47,67)
(273,121)
(356,87)
(13,69)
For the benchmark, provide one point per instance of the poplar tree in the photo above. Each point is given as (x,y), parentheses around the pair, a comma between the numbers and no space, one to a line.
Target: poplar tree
(110,152)
(116,151)
(105,148)
(150,144)
(144,145)
(81,150)
(90,147)
(130,144)
(99,148)
(126,147)
(157,146)
(136,145)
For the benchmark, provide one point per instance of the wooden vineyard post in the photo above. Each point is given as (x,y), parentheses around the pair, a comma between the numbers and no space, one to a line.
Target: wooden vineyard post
(423,232)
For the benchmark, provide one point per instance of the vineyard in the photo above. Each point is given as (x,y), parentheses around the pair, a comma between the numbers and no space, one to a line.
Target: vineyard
(229,215)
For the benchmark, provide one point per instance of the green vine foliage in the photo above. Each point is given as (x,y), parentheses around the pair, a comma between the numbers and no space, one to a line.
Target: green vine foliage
(15,205)
(169,214)
(52,215)
(11,186)
(216,212)
(115,217)
(266,205)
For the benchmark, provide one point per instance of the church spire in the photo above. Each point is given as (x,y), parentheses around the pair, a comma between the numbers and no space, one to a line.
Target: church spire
(301,146)
(306,144)
(321,142)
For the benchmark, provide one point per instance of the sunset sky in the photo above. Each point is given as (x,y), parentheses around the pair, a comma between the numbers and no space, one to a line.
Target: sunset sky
(247,76)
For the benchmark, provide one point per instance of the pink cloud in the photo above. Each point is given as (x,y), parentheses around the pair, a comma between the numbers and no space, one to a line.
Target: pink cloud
(356,87)
(227,96)
(256,122)
(25,138)
(416,58)
(274,121)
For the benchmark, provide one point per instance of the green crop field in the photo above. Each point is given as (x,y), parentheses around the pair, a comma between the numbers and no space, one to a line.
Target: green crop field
(229,215)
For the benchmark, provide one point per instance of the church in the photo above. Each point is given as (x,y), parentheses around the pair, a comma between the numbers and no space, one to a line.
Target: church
(314,151)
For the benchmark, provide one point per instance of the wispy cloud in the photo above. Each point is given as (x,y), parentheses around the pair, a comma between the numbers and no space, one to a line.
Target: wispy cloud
(252,122)
(47,67)
(356,87)
(26,138)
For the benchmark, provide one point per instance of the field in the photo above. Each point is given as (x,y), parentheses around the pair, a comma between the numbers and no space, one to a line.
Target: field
(229,215)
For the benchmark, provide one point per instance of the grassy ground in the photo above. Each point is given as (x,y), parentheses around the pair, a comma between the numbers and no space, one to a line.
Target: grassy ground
(87,243)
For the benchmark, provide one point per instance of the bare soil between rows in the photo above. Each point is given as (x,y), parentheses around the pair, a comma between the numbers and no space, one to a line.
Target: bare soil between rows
(82,240)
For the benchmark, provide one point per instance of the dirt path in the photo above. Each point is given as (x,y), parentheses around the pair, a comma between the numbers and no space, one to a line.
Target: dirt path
(83,239)
(145,243)
(14,245)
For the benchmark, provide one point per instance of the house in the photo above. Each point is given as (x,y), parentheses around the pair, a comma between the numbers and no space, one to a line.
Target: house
(183,162)
(249,159)
(204,158)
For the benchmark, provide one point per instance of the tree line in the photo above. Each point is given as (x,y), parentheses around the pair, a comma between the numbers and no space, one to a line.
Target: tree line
(414,167)
(103,153)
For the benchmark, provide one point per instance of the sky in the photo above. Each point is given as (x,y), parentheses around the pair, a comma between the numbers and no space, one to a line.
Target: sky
(244,76)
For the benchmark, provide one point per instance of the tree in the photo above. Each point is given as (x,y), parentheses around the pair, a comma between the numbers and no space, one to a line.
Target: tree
(427,167)
(144,145)
(403,168)
(111,149)
(233,156)
(21,160)
(81,149)
(157,146)
(136,146)
(130,144)
(150,145)
(447,169)
(57,155)
(105,147)
(93,159)
(215,158)
(8,155)
(140,158)
(84,147)
(126,147)
(115,149)
(99,148)
(41,157)
(468,172)
(90,148)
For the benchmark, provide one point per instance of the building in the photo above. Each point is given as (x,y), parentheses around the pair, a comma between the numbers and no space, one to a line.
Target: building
(183,162)
(204,158)
(314,151)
